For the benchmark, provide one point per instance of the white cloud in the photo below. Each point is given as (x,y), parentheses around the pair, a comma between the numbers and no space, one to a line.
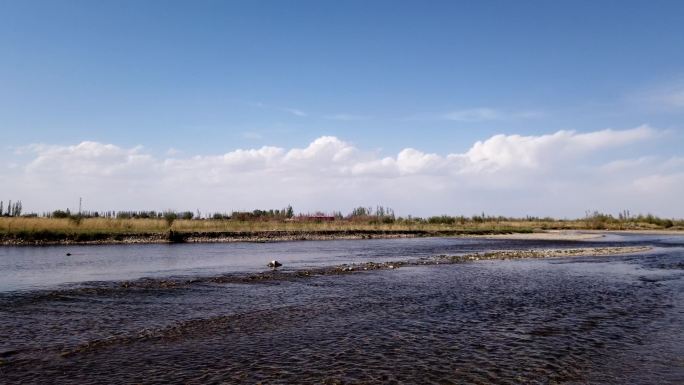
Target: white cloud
(88,158)
(620,165)
(672,183)
(563,173)
(504,151)
(325,148)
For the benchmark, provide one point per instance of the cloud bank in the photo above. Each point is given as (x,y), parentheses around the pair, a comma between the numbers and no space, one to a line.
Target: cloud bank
(561,174)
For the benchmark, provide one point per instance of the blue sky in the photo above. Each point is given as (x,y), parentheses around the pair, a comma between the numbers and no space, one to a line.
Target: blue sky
(209,77)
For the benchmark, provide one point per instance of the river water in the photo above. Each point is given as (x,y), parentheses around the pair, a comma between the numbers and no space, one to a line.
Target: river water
(71,319)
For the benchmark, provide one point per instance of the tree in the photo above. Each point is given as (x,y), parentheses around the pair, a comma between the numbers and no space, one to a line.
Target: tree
(170,217)
(60,214)
(187,215)
(290,212)
(1,208)
(360,212)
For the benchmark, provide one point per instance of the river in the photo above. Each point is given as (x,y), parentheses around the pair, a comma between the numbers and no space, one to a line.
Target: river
(610,319)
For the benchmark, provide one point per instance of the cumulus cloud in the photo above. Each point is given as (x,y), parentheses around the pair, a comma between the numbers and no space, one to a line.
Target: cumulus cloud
(327,149)
(506,151)
(553,174)
(88,158)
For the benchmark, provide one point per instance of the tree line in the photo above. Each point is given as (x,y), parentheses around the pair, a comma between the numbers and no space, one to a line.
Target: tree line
(13,209)
(377,214)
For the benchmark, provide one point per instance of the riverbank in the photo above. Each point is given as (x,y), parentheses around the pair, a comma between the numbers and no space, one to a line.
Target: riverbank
(91,230)
(44,238)
(49,238)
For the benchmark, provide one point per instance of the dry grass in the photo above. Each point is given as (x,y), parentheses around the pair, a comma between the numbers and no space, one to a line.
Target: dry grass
(143,226)
(137,226)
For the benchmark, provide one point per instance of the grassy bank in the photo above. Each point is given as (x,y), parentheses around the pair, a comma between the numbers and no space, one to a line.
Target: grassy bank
(32,230)
(135,226)
(103,230)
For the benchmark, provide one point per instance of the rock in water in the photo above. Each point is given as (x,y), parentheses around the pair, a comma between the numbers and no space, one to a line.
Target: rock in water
(274,264)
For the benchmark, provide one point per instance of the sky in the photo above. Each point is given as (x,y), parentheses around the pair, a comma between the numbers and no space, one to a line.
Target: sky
(442,107)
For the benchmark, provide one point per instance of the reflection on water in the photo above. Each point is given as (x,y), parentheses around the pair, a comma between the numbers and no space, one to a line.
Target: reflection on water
(576,320)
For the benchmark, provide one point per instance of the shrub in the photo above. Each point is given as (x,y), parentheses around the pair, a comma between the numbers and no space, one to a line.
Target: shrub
(170,217)
(61,214)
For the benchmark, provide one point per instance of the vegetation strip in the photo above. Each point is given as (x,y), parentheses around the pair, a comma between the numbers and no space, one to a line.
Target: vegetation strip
(92,227)
(47,237)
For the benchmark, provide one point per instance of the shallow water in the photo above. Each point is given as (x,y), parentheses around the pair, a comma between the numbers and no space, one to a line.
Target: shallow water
(31,268)
(616,319)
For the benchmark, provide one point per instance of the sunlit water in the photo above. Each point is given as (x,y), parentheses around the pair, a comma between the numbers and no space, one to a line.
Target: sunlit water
(616,319)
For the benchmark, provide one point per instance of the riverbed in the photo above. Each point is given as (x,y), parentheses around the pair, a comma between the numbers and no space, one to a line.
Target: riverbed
(92,317)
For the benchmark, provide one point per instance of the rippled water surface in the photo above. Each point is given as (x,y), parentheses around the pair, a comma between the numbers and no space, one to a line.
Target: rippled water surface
(616,319)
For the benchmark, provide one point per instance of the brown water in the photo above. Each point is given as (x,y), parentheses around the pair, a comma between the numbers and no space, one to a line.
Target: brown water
(615,320)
